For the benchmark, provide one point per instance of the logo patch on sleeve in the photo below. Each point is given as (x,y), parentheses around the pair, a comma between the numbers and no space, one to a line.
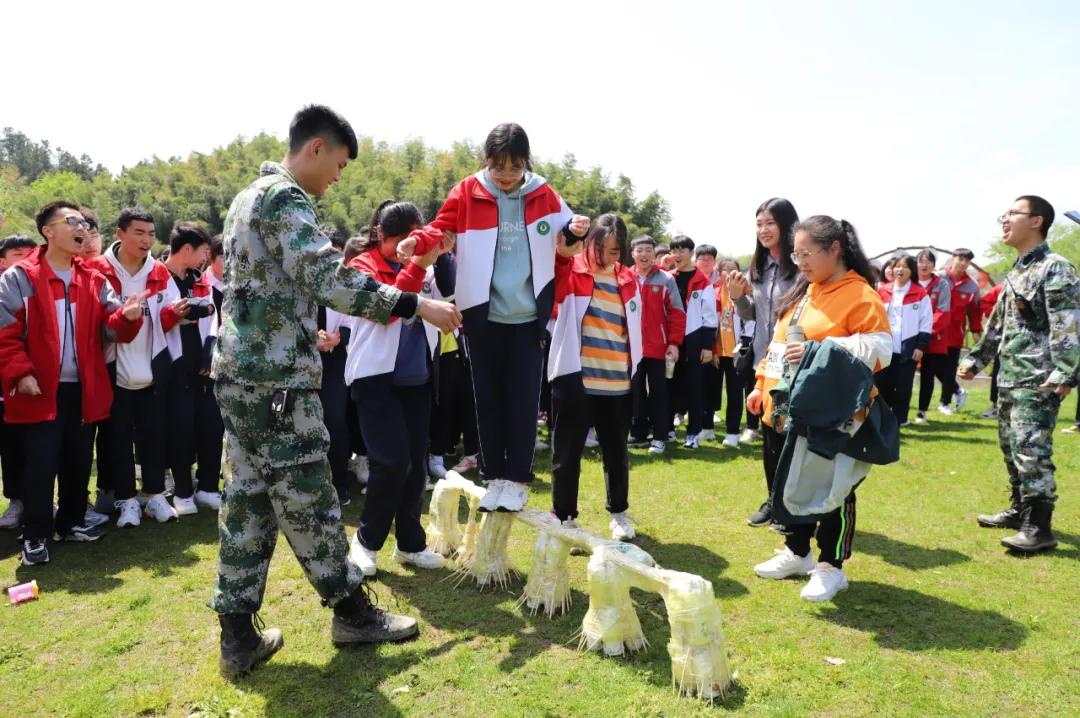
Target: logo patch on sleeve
(543,228)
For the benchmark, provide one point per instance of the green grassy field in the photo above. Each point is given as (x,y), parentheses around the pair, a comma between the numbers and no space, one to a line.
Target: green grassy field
(938,620)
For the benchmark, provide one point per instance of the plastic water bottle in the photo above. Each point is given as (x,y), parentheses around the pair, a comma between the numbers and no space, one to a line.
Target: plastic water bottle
(23,592)
(795,334)
(669,366)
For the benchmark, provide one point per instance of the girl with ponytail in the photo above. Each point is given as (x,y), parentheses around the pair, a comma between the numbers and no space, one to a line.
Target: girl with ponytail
(833,298)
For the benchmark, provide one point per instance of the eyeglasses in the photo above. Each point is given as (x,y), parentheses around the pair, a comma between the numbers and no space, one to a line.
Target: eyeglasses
(74,222)
(798,258)
(1010,214)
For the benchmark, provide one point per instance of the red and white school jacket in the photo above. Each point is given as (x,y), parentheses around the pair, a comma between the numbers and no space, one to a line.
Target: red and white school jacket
(33,309)
(472,213)
(940,291)
(205,286)
(165,344)
(373,347)
(910,325)
(573,293)
(701,319)
(965,306)
(663,318)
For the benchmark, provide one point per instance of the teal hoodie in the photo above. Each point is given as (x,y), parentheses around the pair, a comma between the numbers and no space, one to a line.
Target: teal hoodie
(512,297)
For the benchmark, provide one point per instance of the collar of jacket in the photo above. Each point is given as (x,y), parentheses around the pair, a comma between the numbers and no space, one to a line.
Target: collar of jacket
(276,168)
(1034,255)
(623,275)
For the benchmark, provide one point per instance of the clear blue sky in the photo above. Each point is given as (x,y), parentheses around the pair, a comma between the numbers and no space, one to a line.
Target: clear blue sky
(918,121)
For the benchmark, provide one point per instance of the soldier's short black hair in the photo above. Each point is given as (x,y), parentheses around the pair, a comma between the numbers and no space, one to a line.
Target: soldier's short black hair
(320,121)
(45,214)
(681,241)
(13,242)
(217,247)
(1040,208)
(133,214)
(191,233)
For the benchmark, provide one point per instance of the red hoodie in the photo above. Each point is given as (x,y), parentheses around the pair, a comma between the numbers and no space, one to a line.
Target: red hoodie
(30,337)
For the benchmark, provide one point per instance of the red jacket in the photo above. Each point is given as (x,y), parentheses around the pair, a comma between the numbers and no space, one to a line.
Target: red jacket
(986,304)
(410,278)
(30,337)
(965,306)
(940,291)
(663,318)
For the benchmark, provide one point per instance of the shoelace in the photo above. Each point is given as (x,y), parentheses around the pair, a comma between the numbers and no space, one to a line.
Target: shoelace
(257,621)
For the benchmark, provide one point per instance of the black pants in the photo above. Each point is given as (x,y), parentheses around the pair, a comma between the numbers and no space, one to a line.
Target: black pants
(452,411)
(209,435)
(574,413)
(335,403)
(58,449)
(716,380)
(11,456)
(650,401)
(394,421)
(688,390)
(895,383)
(773,444)
(949,385)
(506,363)
(137,422)
(935,366)
(834,535)
(104,462)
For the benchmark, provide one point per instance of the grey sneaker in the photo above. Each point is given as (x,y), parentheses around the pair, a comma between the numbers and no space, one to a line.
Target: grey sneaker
(358,620)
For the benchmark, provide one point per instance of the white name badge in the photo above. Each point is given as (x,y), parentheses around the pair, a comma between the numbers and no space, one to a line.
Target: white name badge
(774,361)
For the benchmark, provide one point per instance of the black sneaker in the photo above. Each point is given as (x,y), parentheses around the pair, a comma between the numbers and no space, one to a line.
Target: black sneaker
(761,517)
(34,552)
(358,620)
(81,534)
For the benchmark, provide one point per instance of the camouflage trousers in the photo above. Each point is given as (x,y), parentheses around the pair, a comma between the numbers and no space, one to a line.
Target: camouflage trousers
(1026,421)
(279,479)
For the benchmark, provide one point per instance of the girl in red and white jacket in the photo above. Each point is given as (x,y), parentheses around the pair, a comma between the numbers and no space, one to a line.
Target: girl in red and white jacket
(595,351)
(935,360)
(389,373)
(911,319)
(510,224)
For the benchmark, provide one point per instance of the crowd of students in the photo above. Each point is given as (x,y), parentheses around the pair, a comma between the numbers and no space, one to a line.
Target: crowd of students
(611,341)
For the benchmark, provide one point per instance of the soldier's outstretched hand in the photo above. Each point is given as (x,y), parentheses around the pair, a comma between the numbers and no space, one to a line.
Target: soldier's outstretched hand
(443,315)
(1059,389)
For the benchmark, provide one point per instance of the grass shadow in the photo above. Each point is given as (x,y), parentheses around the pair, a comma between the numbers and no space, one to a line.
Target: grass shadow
(907,620)
(906,555)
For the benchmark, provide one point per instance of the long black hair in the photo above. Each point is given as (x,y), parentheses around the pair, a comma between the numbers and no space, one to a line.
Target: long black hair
(825,230)
(395,218)
(785,215)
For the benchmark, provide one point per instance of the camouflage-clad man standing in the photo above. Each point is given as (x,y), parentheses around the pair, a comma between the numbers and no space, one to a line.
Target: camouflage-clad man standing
(1033,331)
(278,268)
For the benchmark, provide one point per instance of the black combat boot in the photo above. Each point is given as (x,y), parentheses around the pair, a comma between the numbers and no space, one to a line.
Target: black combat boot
(358,620)
(1009,518)
(1035,534)
(244,643)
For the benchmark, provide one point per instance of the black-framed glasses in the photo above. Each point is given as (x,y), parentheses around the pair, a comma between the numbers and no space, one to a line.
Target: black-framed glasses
(1010,214)
(72,221)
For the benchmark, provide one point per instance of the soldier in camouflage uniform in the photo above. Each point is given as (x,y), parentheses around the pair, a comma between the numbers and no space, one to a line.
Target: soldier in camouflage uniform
(1033,332)
(278,266)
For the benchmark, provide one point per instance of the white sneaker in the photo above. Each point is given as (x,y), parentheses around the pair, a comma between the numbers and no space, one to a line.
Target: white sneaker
(825,582)
(130,513)
(12,517)
(158,508)
(208,499)
(421,559)
(490,500)
(961,398)
(92,518)
(184,507)
(512,497)
(706,435)
(671,437)
(749,436)
(731,441)
(784,564)
(362,557)
(945,409)
(590,440)
(678,420)
(436,467)
(621,528)
(467,463)
(692,442)
(920,418)
(360,468)
(656,448)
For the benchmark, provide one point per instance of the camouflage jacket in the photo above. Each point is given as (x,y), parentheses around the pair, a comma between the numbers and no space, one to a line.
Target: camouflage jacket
(1033,328)
(279,267)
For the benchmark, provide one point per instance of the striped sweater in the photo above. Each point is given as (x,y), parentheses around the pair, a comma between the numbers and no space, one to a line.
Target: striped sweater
(605,350)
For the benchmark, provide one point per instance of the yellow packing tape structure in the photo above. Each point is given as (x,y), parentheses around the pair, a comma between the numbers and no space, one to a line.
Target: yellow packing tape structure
(699,664)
